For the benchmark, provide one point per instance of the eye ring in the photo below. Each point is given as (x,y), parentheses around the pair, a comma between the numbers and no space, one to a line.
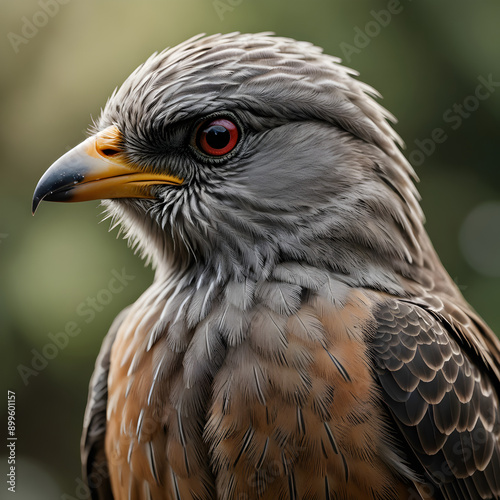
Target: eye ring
(217,136)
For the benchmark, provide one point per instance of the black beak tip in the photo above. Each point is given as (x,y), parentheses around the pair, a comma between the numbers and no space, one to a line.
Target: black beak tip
(35,203)
(42,192)
(55,186)
(64,194)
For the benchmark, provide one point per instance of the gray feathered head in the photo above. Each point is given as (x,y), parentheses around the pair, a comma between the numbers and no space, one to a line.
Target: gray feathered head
(236,152)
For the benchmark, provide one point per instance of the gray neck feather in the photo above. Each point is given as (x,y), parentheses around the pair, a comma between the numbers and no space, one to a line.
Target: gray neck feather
(320,180)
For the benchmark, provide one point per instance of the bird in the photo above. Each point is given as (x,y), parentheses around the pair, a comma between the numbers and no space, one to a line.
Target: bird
(301,338)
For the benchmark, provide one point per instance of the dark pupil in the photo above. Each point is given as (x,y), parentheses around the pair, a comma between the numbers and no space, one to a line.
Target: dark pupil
(217,136)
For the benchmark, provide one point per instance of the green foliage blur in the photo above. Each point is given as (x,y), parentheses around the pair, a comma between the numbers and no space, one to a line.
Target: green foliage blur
(60,62)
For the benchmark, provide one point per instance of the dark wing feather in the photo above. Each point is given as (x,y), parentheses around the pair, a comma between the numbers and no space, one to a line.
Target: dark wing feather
(94,461)
(445,406)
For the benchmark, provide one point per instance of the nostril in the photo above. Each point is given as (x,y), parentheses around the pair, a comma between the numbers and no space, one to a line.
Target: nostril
(109,152)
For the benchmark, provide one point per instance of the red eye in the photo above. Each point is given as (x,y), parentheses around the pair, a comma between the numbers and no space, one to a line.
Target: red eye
(217,137)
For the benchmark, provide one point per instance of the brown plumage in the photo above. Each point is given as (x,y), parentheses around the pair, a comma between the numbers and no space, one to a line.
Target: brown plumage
(301,339)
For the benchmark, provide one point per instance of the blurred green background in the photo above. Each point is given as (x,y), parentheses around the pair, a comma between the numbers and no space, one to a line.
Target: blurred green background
(427,60)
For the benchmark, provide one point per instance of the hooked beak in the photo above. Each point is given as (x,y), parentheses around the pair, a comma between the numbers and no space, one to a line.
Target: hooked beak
(96,169)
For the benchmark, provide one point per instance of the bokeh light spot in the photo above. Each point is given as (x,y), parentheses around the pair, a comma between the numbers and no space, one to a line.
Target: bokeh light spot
(33,481)
(480,239)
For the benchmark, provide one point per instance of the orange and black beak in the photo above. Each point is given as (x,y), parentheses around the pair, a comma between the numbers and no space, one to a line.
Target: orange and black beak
(96,169)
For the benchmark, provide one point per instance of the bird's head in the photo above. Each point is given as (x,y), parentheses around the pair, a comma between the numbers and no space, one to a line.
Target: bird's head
(235,152)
